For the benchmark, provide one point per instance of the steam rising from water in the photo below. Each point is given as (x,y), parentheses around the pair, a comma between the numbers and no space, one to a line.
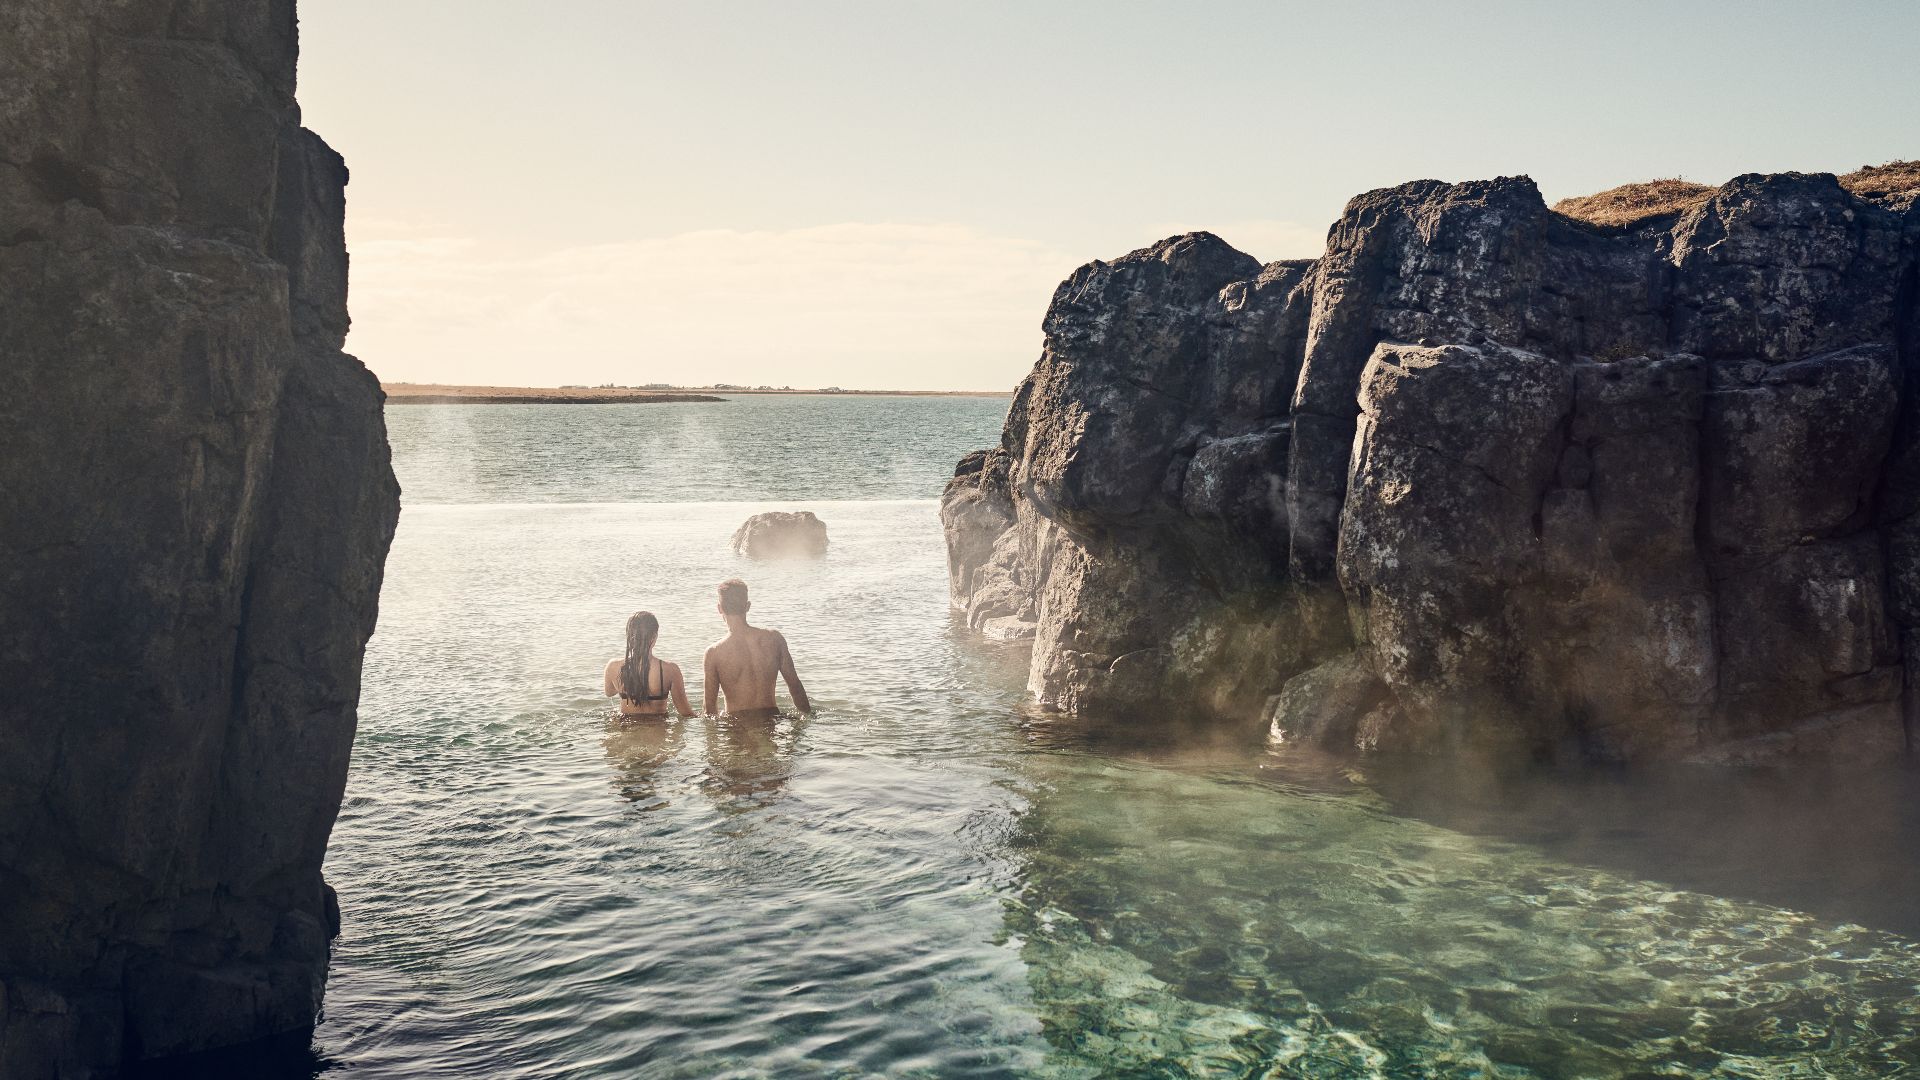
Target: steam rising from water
(747,448)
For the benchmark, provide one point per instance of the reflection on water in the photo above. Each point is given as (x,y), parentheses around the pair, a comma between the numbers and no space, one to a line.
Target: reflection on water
(927,881)
(637,749)
(750,756)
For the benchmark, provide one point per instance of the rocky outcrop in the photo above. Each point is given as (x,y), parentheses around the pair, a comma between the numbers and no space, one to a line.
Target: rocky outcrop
(1481,476)
(779,534)
(195,505)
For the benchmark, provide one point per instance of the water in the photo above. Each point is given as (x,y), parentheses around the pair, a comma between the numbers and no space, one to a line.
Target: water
(744,449)
(927,880)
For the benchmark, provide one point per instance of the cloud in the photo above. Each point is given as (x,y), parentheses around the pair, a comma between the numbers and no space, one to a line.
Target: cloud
(857,304)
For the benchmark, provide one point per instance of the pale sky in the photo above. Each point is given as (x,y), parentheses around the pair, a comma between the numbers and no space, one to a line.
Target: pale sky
(884,194)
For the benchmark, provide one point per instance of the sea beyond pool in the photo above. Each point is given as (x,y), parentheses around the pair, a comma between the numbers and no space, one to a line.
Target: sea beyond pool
(928,878)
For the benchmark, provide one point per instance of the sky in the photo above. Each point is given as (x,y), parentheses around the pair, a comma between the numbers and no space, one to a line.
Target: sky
(883,195)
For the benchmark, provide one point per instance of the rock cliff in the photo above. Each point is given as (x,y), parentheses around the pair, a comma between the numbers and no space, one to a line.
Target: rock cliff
(195,505)
(1481,476)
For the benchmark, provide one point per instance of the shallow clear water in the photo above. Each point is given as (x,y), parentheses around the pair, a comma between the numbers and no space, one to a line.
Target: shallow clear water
(926,880)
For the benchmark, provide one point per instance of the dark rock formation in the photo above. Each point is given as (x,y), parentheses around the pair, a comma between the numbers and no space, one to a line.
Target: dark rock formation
(195,505)
(781,535)
(1480,476)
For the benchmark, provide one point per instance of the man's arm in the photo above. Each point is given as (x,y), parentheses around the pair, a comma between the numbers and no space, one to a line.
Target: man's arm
(710,686)
(792,676)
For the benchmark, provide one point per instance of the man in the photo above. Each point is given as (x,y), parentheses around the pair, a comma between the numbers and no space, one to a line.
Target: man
(742,664)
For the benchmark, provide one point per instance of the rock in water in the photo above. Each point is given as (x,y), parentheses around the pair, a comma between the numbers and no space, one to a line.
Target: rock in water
(1482,475)
(781,535)
(195,507)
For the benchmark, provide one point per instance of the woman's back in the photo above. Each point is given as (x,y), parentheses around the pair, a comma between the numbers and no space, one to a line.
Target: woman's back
(642,680)
(662,683)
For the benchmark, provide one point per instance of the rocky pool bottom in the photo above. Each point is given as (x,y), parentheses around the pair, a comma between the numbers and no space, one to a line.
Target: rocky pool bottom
(928,880)
(1292,920)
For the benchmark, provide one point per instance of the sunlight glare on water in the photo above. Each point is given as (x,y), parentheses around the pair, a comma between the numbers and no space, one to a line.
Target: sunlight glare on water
(925,879)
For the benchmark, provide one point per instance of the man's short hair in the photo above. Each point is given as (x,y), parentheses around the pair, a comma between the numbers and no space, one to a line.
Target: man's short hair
(733,596)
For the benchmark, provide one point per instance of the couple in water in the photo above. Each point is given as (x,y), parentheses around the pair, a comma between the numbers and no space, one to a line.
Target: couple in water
(740,667)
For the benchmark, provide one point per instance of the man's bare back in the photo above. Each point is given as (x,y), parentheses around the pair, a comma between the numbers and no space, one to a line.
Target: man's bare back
(743,664)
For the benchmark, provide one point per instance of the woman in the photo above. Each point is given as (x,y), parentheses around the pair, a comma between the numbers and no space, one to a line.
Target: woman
(643,680)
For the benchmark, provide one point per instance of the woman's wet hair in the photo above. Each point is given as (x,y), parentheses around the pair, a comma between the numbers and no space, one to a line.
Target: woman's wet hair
(733,596)
(637,670)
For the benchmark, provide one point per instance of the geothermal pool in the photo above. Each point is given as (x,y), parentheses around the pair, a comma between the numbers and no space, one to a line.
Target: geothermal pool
(926,879)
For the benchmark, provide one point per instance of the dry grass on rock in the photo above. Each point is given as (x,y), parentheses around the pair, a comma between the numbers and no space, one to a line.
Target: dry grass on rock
(1896,182)
(1630,204)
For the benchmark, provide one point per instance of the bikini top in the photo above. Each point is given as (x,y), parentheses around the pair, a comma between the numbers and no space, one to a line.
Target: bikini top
(648,681)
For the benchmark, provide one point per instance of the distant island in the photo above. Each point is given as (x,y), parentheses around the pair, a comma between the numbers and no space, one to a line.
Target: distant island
(442,394)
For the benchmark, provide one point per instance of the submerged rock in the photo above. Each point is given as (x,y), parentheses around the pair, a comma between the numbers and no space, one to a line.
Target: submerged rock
(1482,475)
(780,534)
(195,506)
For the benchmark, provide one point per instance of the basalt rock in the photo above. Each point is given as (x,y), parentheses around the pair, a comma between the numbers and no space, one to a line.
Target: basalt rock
(781,534)
(195,506)
(1481,477)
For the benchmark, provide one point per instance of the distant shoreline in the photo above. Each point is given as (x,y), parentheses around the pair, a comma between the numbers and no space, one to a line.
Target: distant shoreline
(400,393)
(442,394)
